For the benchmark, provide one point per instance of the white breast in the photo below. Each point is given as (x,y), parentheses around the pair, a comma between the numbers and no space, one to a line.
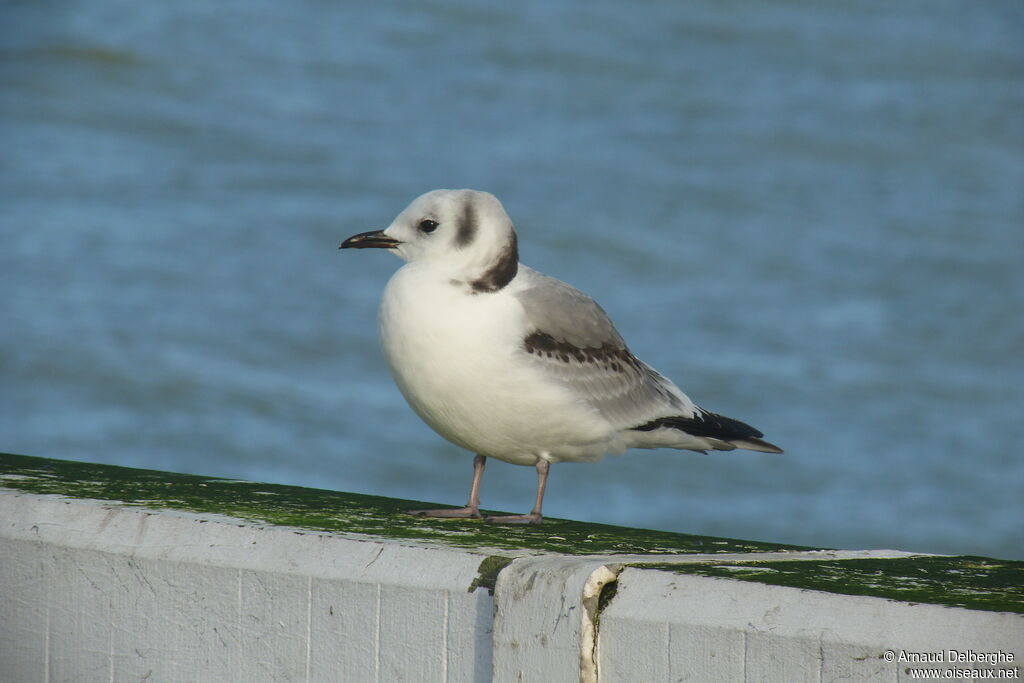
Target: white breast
(457,359)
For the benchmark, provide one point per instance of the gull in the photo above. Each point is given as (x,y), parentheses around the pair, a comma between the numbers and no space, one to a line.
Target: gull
(511,364)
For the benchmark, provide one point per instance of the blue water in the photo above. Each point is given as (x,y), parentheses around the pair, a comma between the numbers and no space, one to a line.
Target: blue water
(810,215)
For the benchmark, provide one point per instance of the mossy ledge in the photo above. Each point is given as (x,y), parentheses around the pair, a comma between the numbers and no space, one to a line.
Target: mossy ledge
(969,582)
(980,583)
(344,513)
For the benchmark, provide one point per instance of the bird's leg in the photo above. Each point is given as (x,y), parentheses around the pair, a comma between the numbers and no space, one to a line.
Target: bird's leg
(534,517)
(472,508)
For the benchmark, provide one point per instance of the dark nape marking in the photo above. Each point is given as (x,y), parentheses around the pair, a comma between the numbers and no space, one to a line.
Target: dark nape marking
(467,227)
(612,357)
(503,270)
(705,423)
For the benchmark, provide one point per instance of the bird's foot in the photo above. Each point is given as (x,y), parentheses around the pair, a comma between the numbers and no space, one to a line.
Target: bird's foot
(468,512)
(532,518)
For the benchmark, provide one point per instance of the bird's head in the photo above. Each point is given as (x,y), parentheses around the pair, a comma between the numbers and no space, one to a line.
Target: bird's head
(466,232)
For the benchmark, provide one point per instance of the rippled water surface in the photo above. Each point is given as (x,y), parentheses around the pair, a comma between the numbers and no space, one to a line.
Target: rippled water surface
(810,215)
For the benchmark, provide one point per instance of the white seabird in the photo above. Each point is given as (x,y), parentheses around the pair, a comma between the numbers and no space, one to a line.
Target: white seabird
(515,365)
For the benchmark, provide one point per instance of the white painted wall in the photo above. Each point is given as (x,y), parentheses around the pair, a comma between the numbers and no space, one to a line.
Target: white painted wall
(678,627)
(94,592)
(91,591)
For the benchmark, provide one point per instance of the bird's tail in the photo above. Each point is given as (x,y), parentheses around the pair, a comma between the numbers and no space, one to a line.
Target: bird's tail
(755,444)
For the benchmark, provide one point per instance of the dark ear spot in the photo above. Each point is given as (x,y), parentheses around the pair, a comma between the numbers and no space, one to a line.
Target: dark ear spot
(467,227)
(501,271)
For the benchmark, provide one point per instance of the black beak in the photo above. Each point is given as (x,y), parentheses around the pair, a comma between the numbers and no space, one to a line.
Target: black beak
(375,239)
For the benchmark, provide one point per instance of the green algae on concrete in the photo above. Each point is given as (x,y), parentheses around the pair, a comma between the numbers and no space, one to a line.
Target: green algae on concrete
(345,513)
(971,582)
(487,572)
(979,583)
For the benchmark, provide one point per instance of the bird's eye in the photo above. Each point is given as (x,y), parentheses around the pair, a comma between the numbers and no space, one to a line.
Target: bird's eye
(427,225)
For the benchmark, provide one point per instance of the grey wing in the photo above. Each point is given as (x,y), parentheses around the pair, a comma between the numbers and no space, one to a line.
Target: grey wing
(575,343)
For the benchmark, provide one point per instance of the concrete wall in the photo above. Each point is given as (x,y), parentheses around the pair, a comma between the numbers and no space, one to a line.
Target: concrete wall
(711,629)
(104,593)
(98,591)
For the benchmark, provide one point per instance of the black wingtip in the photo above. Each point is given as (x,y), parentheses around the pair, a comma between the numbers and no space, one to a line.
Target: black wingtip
(705,423)
(715,426)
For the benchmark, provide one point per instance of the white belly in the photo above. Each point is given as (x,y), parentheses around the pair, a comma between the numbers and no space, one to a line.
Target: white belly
(460,365)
